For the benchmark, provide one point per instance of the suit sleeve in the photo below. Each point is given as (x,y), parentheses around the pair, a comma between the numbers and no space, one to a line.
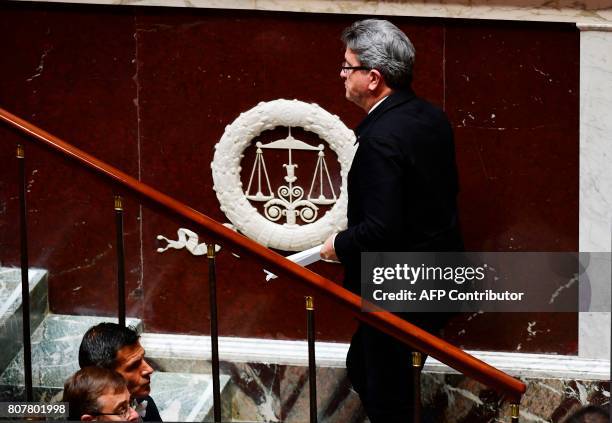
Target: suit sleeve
(380,182)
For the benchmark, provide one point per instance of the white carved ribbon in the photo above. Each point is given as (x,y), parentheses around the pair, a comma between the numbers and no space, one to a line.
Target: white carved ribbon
(189,240)
(186,239)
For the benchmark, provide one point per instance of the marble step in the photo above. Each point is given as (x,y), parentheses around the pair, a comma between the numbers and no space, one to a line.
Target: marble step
(55,344)
(11,328)
(185,397)
(269,378)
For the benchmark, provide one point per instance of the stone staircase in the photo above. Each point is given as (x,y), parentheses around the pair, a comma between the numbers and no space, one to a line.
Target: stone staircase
(10,309)
(55,343)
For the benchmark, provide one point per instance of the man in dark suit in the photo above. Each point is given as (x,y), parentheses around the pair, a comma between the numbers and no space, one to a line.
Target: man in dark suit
(402,189)
(112,346)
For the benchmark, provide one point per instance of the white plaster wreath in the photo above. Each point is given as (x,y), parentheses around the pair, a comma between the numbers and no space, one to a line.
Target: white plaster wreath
(226,172)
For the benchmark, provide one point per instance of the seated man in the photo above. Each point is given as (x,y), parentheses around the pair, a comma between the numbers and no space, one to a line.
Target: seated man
(118,348)
(94,393)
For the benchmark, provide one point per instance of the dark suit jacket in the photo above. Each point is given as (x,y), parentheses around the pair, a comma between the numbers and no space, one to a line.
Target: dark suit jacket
(152,413)
(402,186)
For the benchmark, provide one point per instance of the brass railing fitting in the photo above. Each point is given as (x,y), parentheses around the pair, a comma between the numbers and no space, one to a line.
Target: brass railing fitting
(210,250)
(118,203)
(309,303)
(417,359)
(514,411)
(20,151)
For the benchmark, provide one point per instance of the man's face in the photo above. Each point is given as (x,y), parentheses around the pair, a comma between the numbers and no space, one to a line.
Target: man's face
(114,407)
(355,81)
(132,365)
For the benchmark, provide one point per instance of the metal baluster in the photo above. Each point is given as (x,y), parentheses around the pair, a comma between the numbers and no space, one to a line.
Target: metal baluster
(25,283)
(417,366)
(120,260)
(312,368)
(214,336)
(514,412)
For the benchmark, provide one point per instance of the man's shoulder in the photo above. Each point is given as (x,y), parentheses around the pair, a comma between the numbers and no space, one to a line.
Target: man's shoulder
(418,111)
(410,117)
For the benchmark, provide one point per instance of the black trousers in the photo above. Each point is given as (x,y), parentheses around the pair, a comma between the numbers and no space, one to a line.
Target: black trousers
(380,369)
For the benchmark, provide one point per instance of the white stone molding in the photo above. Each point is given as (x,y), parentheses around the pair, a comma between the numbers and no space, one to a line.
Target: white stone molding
(602,27)
(332,354)
(586,11)
(186,239)
(226,169)
(595,206)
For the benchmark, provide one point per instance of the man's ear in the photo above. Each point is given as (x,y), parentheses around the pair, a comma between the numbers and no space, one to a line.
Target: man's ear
(376,80)
(87,418)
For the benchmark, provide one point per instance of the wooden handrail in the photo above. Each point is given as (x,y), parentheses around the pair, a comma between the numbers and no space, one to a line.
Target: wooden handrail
(384,321)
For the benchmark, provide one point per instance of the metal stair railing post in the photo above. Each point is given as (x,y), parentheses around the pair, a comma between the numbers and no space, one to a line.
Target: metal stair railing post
(417,366)
(214,335)
(120,261)
(25,280)
(312,365)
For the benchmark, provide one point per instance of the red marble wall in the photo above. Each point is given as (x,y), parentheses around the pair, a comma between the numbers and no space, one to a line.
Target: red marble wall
(150,90)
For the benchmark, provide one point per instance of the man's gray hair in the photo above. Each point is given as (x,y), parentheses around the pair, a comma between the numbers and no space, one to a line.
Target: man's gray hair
(382,46)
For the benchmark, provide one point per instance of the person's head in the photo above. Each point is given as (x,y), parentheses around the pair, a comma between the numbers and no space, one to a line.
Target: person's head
(115,347)
(382,58)
(589,414)
(95,393)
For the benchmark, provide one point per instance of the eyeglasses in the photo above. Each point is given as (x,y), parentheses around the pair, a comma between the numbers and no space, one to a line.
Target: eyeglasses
(346,68)
(123,412)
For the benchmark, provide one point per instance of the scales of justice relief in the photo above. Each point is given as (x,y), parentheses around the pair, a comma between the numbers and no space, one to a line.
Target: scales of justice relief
(290,201)
(278,226)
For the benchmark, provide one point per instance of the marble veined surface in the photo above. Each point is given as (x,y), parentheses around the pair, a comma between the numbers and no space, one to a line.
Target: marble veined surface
(185,397)
(10,289)
(595,177)
(11,312)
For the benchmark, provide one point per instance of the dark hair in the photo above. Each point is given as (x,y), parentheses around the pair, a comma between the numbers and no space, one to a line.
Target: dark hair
(589,414)
(101,342)
(82,390)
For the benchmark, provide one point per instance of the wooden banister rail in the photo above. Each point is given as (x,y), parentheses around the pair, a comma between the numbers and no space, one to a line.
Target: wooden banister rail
(386,322)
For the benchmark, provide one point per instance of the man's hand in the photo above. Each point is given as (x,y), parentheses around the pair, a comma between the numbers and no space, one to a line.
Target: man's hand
(327,250)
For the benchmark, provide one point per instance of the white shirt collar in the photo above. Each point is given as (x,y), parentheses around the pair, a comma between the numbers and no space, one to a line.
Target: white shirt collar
(377,103)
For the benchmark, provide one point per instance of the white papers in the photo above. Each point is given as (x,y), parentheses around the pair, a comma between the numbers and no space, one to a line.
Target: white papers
(306,257)
(303,258)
